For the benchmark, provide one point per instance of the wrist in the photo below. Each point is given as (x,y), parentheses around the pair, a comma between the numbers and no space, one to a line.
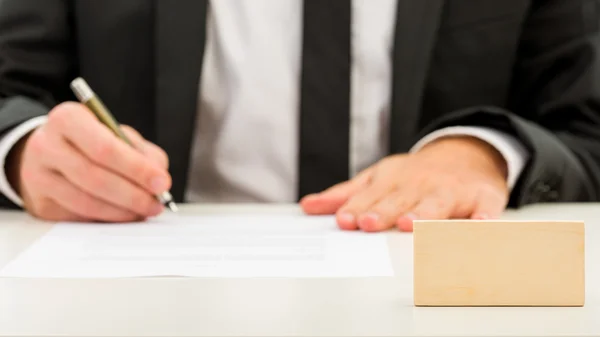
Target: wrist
(472,149)
(12,164)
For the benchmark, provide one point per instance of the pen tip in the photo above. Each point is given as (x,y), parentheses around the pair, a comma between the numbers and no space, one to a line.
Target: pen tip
(173,207)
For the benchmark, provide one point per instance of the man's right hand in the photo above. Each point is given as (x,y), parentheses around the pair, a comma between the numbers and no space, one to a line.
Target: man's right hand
(73,168)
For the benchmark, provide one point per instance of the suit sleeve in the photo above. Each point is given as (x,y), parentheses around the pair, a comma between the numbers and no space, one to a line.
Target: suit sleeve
(35,63)
(554,105)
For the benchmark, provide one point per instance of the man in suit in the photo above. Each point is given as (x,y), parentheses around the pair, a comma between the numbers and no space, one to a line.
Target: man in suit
(380,112)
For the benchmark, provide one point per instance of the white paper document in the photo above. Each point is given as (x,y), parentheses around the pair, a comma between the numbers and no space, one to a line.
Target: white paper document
(205,246)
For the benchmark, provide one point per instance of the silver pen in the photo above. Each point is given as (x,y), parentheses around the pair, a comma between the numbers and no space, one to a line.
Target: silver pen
(87,97)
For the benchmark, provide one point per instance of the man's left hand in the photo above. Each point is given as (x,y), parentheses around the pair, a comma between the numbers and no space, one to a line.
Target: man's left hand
(454,177)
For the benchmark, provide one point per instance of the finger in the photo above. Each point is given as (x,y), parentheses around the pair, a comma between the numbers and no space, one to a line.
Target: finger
(434,206)
(490,204)
(75,123)
(48,210)
(358,204)
(384,213)
(152,151)
(99,182)
(85,205)
(134,136)
(330,200)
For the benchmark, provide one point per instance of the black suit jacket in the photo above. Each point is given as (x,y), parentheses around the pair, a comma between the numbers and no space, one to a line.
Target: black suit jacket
(526,67)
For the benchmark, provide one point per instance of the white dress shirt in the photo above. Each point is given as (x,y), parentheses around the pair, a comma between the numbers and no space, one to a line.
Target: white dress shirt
(245,147)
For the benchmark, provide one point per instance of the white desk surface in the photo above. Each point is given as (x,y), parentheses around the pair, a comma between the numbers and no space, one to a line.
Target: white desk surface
(275,307)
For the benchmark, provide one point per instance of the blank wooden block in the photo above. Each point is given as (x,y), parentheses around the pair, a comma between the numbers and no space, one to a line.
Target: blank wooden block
(499,263)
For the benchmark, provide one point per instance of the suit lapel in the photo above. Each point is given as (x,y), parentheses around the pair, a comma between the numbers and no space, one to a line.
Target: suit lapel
(180,34)
(415,35)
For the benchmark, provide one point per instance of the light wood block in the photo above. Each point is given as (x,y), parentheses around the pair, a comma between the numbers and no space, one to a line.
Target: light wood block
(499,263)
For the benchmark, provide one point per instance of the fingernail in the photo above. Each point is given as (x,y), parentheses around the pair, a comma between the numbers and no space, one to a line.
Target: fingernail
(157,209)
(371,215)
(405,222)
(346,218)
(369,221)
(158,184)
(481,216)
(310,196)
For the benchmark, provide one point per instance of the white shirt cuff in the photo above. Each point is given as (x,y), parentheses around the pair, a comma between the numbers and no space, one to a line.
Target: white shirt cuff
(6,144)
(514,153)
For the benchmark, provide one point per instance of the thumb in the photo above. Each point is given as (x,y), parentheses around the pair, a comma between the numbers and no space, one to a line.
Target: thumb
(152,151)
(330,200)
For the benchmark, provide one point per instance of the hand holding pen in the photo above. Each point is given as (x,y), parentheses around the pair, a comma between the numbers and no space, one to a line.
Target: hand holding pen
(73,168)
(85,94)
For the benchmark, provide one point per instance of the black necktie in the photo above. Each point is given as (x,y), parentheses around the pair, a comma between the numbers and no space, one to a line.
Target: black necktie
(325,95)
